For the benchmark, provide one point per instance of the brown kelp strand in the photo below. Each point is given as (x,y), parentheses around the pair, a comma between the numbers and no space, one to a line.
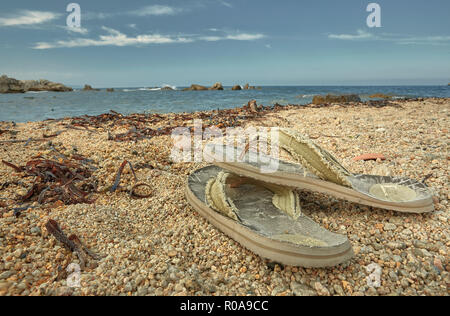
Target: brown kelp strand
(56,181)
(133,192)
(73,243)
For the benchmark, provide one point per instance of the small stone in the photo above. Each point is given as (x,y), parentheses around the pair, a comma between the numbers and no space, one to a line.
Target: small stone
(36,230)
(321,290)
(438,264)
(6,275)
(302,289)
(338,289)
(421,252)
(390,226)
(17,253)
(128,287)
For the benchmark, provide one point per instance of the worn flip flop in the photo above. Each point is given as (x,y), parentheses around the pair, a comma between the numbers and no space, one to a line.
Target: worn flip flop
(318,170)
(264,218)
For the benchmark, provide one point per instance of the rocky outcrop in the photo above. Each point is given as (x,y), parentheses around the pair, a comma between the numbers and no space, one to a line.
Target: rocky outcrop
(196,87)
(236,88)
(10,85)
(110,90)
(249,87)
(44,85)
(167,88)
(89,88)
(320,99)
(216,86)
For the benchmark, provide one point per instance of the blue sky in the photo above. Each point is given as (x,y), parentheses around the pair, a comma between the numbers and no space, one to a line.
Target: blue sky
(179,42)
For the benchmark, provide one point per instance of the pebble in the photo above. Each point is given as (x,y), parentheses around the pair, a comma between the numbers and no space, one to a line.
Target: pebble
(389,227)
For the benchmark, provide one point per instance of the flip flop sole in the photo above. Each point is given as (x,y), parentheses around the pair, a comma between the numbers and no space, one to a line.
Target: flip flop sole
(279,251)
(296,180)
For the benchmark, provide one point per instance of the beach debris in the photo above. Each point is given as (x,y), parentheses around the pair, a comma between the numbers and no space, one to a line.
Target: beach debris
(367,157)
(428,176)
(73,243)
(253,106)
(55,181)
(119,175)
(133,192)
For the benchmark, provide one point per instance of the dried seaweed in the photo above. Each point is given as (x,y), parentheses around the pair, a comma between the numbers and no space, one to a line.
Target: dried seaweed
(73,243)
(55,181)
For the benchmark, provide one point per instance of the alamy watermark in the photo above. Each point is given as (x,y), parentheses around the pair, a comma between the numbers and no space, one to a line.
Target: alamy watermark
(74,18)
(374,18)
(252,145)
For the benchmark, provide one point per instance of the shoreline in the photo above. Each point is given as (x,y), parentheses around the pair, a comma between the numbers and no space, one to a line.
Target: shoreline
(375,102)
(160,246)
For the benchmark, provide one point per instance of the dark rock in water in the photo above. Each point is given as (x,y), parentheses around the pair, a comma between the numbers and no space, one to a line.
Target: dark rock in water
(167,89)
(196,87)
(320,99)
(110,90)
(236,88)
(89,88)
(10,85)
(249,87)
(216,86)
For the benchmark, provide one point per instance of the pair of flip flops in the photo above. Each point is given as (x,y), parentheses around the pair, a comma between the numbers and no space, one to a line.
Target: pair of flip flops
(262,212)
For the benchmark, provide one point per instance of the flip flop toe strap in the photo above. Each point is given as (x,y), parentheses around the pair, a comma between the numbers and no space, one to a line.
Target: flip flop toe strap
(316,159)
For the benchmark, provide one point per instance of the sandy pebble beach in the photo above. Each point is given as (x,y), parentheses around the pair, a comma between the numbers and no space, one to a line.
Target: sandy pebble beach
(161,246)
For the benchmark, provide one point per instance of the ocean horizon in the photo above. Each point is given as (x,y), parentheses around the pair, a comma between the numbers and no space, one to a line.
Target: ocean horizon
(38,106)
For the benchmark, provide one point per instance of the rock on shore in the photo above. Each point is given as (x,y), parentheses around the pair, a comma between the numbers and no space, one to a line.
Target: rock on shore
(11,85)
(320,99)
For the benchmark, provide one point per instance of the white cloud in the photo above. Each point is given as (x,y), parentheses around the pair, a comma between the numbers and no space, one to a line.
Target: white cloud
(245,37)
(116,38)
(360,35)
(394,38)
(156,10)
(28,17)
(211,38)
(79,30)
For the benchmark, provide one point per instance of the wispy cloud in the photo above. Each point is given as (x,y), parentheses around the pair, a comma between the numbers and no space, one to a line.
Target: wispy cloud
(156,10)
(225,3)
(27,17)
(78,30)
(394,38)
(360,34)
(113,38)
(245,37)
(116,38)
